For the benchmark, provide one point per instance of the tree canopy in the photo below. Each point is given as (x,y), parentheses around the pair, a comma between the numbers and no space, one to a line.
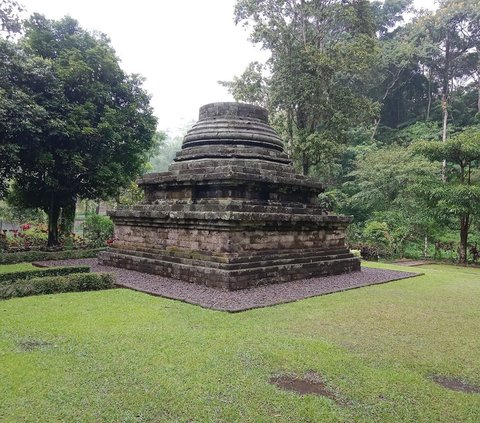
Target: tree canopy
(72,122)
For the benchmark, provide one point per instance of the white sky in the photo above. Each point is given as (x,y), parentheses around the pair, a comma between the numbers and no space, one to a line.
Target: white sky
(182,47)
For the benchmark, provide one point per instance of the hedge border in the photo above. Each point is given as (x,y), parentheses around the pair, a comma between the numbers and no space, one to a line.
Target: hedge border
(29,256)
(75,282)
(5,278)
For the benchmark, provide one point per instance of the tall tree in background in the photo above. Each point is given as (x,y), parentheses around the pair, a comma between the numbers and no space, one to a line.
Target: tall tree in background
(451,37)
(321,52)
(395,65)
(94,123)
(459,196)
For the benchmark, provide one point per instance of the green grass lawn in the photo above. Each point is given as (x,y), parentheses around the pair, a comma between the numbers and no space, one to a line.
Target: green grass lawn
(7,268)
(124,356)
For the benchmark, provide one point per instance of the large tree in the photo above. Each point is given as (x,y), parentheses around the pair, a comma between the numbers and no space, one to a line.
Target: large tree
(450,37)
(459,195)
(321,52)
(95,124)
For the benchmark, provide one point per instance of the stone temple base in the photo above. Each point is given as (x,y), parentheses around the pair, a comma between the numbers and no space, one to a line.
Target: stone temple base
(230,212)
(234,252)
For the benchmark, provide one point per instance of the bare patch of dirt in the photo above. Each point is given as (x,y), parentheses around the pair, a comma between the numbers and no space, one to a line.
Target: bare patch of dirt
(312,384)
(31,344)
(456,384)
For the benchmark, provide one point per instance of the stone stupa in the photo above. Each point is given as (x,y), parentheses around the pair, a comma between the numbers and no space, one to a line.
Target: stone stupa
(230,212)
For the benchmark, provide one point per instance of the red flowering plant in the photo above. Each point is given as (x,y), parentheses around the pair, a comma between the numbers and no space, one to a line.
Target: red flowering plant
(34,236)
(27,237)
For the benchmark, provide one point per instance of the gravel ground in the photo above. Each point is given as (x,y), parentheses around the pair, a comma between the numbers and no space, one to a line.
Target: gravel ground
(234,301)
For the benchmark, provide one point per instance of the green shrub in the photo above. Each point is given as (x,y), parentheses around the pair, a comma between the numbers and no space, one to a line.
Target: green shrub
(29,256)
(76,282)
(98,229)
(376,235)
(5,278)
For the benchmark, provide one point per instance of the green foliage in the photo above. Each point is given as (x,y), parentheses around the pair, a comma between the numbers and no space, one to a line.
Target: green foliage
(98,229)
(6,278)
(133,194)
(462,150)
(383,178)
(406,135)
(320,51)
(89,127)
(19,215)
(250,87)
(27,237)
(383,193)
(49,284)
(377,235)
(29,256)
(26,84)
(10,22)
(458,195)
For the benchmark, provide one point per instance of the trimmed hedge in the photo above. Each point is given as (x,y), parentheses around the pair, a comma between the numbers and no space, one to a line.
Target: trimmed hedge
(29,256)
(5,278)
(76,282)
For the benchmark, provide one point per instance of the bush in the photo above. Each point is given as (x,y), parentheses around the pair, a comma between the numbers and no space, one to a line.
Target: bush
(376,241)
(41,272)
(76,282)
(98,229)
(29,256)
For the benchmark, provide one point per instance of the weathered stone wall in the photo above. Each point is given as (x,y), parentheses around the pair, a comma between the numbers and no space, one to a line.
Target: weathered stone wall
(218,241)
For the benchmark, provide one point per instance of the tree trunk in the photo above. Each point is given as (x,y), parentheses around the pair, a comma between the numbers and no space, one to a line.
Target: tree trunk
(53,215)
(464,226)
(305,164)
(375,129)
(478,100)
(425,247)
(67,220)
(290,132)
(478,80)
(444,134)
(445,97)
(429,106)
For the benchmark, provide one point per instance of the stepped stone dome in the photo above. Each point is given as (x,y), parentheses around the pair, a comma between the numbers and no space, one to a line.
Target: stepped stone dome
(233,124)
(233,130)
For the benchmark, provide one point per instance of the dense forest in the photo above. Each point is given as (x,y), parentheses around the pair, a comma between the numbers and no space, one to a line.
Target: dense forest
(381,102)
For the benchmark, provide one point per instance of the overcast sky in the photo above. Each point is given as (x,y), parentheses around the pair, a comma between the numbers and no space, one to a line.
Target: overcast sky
(182,47)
